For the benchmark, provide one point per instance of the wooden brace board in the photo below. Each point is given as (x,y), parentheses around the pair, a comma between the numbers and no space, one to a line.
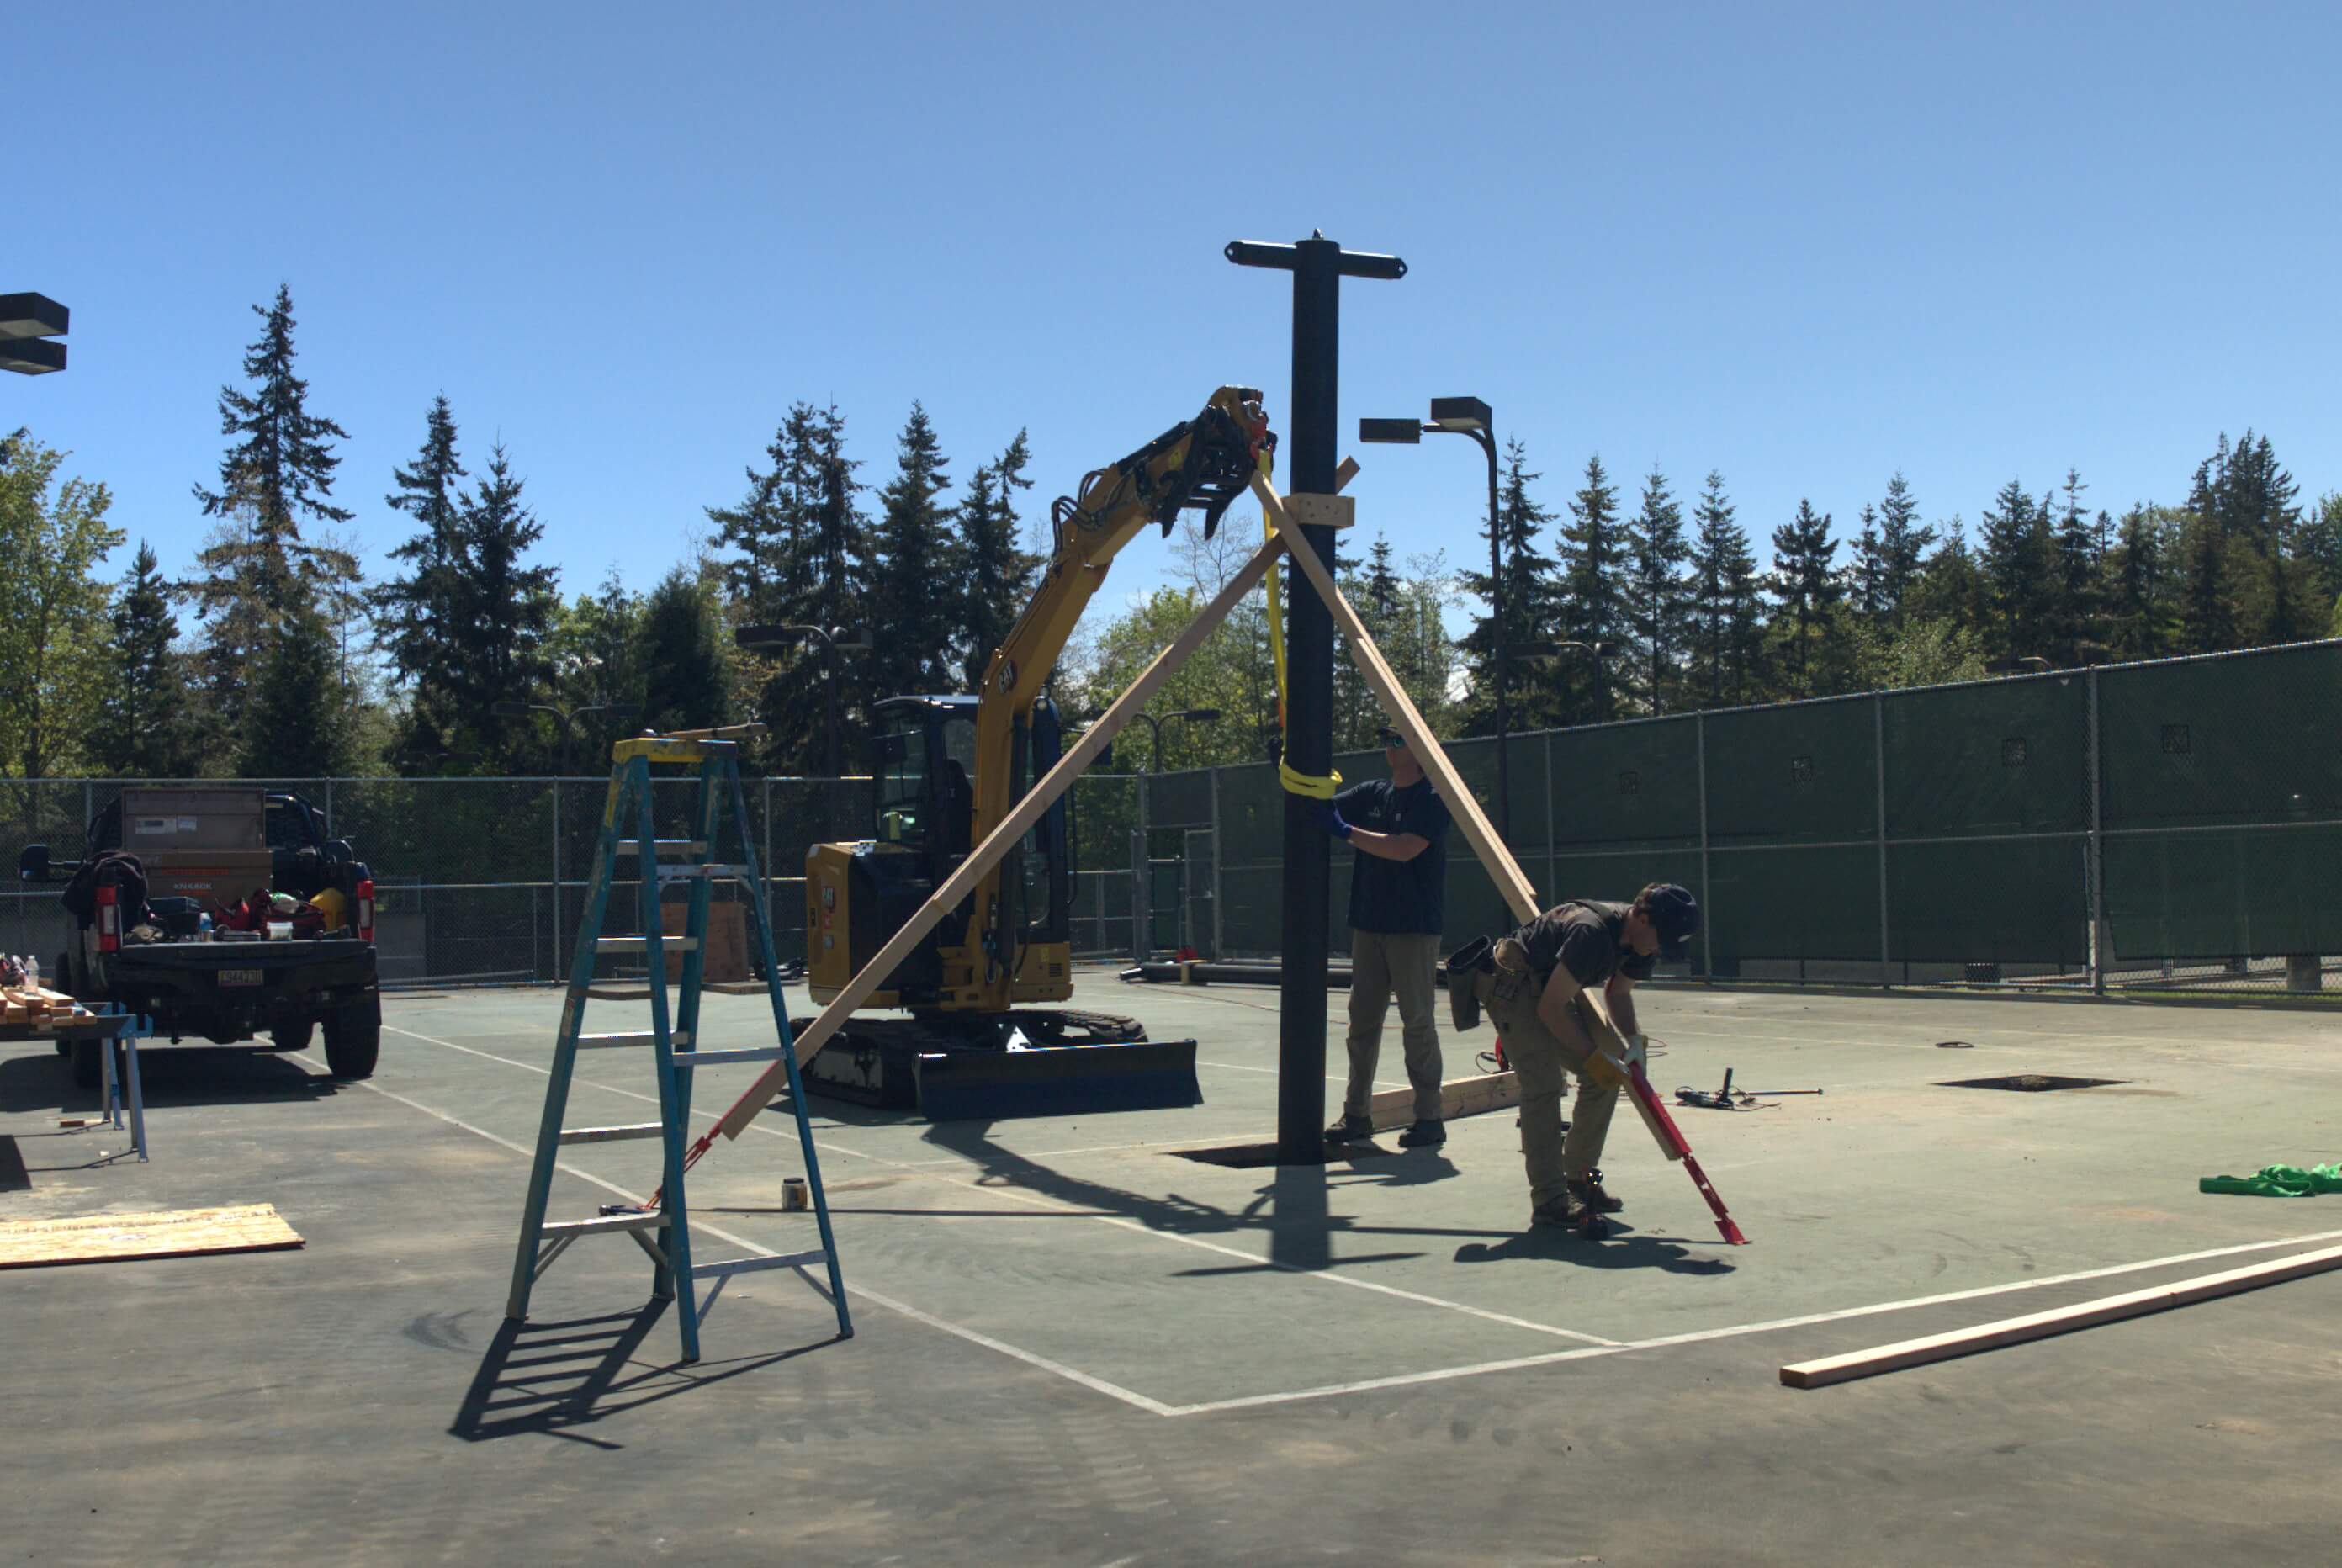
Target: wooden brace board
(2056,1321)
(1394,1108)
(117,1238)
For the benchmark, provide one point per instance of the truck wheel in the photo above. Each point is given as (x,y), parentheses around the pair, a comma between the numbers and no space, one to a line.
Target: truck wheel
(354,1039)
(295,1036)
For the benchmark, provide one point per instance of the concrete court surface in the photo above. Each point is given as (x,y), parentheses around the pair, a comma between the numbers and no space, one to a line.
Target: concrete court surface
(1075,1346)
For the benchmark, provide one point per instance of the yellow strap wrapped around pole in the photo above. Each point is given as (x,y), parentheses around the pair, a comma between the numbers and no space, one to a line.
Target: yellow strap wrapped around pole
(1309,785)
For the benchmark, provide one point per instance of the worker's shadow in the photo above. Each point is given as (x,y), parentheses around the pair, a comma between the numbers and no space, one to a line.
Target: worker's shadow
(556,1378)
(1621,1249)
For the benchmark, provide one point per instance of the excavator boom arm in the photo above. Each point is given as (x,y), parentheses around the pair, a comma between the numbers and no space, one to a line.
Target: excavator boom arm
(1201,465)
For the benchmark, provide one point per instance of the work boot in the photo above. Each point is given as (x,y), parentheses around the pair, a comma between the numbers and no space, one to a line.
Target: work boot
(1351,1130)
(1587,1190)
(1424,1136)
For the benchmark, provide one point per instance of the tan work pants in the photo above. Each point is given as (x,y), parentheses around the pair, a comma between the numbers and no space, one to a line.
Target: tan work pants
(1380,964)
(1544,1063)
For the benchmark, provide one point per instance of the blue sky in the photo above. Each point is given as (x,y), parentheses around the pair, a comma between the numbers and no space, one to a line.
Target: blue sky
(1803,245)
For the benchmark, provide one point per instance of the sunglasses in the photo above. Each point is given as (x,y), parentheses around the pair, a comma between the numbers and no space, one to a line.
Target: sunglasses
(1393,739)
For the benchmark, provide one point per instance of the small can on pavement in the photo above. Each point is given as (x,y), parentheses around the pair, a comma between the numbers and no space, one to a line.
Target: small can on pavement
(794,1194)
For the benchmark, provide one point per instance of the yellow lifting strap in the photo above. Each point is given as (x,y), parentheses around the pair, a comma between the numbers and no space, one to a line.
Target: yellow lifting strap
(1313,786)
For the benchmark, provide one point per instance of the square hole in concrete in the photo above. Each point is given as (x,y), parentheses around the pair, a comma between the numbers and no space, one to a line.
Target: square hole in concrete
(2029,1083)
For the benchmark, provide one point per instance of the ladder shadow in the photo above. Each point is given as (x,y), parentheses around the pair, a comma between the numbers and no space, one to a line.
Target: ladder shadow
(556,1378)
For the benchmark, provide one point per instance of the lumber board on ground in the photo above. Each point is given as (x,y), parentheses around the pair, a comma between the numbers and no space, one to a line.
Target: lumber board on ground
(2011,1331)
(997,843)
(1394,1108)
(120,1238)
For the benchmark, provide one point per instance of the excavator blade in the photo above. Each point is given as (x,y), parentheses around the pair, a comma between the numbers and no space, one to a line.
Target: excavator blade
(1058,1081)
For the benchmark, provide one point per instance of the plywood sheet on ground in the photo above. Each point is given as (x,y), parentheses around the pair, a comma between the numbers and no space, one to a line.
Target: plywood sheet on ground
(119,1238)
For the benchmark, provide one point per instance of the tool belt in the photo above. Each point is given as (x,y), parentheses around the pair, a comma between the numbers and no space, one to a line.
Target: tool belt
(1465,966)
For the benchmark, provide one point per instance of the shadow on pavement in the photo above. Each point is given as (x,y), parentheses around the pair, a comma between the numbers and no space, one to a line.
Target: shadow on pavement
(1621,1249)
(168,1076)
(555,1378)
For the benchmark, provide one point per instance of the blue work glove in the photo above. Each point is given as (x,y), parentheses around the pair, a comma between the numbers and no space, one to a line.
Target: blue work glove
(1331,820)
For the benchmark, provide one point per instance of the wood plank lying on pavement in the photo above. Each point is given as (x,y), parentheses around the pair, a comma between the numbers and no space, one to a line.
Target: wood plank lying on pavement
(118,1238)
(2056,1321)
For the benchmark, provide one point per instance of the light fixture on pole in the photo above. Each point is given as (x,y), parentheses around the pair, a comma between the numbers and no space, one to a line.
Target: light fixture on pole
(1155,753)
(1470,416)
(30,324)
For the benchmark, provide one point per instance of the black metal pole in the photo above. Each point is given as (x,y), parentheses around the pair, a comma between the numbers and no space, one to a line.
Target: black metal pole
(1318,266)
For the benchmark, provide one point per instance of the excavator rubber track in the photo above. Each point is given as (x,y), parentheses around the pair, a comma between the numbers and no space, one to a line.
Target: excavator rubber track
(952,1067)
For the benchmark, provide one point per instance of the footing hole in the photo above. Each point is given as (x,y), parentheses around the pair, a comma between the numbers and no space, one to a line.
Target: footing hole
(2030,1082)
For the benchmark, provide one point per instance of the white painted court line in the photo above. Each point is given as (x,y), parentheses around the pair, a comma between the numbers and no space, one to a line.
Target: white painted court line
(1038,1201)
(1700,1335)
(1074,1375)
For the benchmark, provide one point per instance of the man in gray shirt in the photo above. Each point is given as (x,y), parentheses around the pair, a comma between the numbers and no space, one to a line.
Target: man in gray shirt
(1537,996)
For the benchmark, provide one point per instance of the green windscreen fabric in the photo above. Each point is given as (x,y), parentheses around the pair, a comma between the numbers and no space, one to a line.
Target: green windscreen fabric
(1791,902)
(1800,773)
(2020,901)
(1625,784)
(2002,756)
(1180,799)
(2250,743)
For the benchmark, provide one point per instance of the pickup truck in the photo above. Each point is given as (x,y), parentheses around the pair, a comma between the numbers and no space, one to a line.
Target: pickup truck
(216,847)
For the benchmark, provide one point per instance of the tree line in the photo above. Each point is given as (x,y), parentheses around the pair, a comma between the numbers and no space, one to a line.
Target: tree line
(274,656)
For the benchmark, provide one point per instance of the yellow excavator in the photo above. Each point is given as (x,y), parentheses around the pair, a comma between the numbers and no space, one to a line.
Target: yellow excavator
(947,769)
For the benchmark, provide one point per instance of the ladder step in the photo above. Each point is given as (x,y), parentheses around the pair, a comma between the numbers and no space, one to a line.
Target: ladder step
(677,847)
(612,1134)
(604,1042)
(601,1222)
(751,1265)
(642,943)
(718,1058)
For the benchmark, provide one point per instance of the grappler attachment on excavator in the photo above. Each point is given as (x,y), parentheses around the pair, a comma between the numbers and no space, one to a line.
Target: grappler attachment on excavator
(947,769)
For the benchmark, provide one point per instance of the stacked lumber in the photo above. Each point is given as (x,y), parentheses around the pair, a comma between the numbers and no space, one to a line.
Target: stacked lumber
(37,1008)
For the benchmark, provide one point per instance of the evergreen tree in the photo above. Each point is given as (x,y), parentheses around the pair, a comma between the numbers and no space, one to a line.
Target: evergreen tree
(2077,611)
(1903,543)
(299,721)
(141,728)
(911,596)
(506,608)
(595,649)
(2321,548)
(997,575)
(1593,562)
(2138,591)
(1658,604)
(1866,577)
(1723,599)
(1529,603)
(256,569)
(2208,618)
(417,616)
(680,652)
(2017,558)
(774,575)
(1809,591)
(1950,585)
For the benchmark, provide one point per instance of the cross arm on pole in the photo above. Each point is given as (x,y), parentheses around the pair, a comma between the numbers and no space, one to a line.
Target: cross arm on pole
(1284,258)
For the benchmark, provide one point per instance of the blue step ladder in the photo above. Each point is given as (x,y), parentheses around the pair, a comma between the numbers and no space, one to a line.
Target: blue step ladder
(663,1230)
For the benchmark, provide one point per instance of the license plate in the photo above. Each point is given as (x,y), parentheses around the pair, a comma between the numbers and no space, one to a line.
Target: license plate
(239,976)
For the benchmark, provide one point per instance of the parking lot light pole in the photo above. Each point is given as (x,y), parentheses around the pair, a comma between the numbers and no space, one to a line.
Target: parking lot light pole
(1155,752)
(1470,416)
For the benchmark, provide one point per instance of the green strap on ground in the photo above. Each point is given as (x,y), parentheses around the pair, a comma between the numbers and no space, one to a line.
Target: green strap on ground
(2277,1181)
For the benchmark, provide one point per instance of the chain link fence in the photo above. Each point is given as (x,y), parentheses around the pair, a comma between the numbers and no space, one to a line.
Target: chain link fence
(2170,827)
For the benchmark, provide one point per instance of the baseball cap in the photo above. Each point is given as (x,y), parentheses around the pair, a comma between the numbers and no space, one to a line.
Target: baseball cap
(1674,913)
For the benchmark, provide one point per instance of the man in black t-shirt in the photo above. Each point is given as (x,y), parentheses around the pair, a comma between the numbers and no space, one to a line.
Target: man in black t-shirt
(1398,904)
(1538,994)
